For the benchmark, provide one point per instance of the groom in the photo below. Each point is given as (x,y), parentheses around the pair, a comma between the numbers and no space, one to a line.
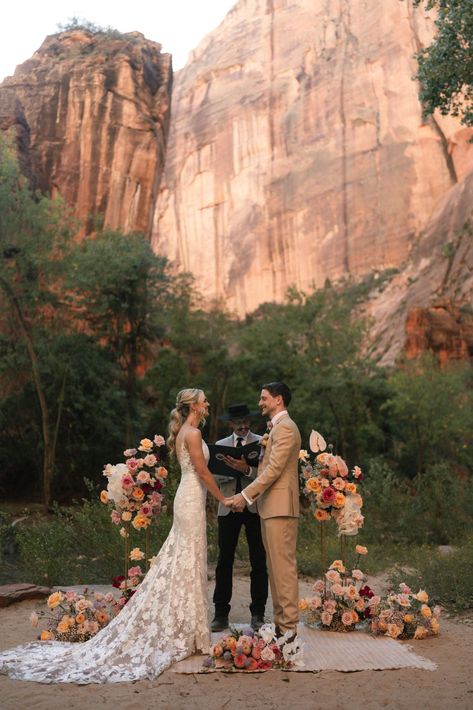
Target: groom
(276,492)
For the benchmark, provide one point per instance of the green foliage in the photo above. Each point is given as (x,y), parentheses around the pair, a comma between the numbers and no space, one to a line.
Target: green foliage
(447,576)
(430,411)
(446,66)
(80,23)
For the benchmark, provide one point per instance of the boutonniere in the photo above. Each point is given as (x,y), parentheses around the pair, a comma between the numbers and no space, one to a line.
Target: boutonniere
(264,439)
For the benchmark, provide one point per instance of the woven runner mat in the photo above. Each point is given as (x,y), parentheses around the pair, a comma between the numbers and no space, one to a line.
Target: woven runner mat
(332,651)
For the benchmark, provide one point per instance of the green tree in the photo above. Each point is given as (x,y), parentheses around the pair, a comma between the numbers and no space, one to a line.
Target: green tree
(446,66)
(33,241)
(120,291)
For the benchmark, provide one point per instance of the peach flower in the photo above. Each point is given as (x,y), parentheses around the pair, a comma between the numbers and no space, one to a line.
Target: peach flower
(351,592)
(145,445)
(62,627)
(347,618)
(420,633)
(143,477)
(150,460)
(340,500)
(319,586)
(313,484)
(104,496)
(46,635)
(321,515)
(333,576)
(326,618)
(350,488)
(162,472)
(315,602)
(303,604)
(435,626)
(54,600)
(138,494)
(330,605)
(426,611)
(361,550)
(126,516)
(422,596)
(393,631)
(136,554)
(357,574)
(337,589)
(408,618)
(338,565)
(34,619)
(339,483)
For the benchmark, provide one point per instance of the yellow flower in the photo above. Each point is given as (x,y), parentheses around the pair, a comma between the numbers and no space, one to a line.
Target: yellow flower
(408,618)
(104,496)
(141,521)
(340,500)
(136,554)
(360,550)
(62,627)
(126,516)
(338,565)
(422,596)
(426,611)
(303,605)
(145,445)
(313,484)
(54,600)
(138,494)
(321,515)
(350,488)
(46,635)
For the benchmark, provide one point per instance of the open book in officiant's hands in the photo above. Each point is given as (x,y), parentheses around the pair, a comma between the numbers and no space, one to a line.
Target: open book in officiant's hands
(217,464)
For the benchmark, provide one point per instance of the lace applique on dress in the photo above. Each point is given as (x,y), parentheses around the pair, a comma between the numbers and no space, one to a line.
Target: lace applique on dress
(165,620)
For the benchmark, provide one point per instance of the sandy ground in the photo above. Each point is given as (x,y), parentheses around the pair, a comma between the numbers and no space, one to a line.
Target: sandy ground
(451,686)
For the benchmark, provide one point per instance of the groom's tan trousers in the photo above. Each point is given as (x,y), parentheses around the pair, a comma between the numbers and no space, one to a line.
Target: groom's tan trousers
(280,538)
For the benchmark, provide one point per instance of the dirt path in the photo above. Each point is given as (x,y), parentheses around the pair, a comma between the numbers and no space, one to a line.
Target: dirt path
(450,687)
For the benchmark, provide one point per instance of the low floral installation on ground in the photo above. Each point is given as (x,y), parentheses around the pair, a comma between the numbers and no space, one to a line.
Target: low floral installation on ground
(405,615)
(252,651)
(74,617)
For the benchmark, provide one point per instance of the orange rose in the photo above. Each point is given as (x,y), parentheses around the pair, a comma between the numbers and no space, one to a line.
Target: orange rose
(138,494)
(62,627)
(126,516)
(360,550)
(313,484)
(46,636)
(321,515)
(408,618)
(162,472)
(340,500)
(303,604)
(102,617)
(104,496)
(80,618)
(350,488)
(140,522)
(54,600)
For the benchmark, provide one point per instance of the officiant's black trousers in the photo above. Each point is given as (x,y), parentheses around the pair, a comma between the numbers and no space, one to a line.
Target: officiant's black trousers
(229,527)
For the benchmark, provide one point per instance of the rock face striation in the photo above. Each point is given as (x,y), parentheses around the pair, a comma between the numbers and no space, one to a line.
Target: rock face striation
(298,150)
(96,110)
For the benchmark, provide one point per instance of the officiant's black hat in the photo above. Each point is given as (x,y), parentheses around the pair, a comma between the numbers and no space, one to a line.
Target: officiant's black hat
(238,411)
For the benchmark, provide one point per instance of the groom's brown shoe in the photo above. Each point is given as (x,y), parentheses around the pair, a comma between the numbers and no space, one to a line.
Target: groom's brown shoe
(219,623)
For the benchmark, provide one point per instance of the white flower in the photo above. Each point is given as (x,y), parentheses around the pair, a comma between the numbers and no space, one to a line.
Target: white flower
(267,654)
(267,633)
(34,619)
(114,487)
(317,442)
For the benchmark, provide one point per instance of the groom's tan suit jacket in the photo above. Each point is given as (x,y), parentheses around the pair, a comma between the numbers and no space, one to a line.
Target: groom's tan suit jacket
(276,488)
(276,492)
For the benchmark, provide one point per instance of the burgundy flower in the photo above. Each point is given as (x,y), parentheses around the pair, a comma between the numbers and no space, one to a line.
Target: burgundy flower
(146,488)
(116,581)
(366,592)
(328,494)
(158,485)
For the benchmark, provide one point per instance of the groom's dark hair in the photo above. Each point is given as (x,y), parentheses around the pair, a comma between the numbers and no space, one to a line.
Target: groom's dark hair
(275,388)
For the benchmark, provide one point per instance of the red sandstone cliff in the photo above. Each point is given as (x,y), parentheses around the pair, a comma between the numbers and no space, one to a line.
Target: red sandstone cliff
(96,107)
(298,151)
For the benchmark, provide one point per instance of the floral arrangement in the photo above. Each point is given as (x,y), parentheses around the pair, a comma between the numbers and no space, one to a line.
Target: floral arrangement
(129,584)
(74,617)
(340,600)
(331,488)
(255,651)
(405,615)
(134,487)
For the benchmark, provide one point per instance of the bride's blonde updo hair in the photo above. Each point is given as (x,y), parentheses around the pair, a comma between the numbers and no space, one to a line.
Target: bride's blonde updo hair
(184,400)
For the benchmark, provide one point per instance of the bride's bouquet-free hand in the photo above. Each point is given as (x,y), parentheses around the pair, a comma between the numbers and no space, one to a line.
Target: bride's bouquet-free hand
(134,487)
(331,487)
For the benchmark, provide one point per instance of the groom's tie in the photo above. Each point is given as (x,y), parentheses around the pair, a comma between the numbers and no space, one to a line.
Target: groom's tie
(239,442)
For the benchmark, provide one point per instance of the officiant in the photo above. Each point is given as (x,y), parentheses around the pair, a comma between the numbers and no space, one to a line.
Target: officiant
(230,524)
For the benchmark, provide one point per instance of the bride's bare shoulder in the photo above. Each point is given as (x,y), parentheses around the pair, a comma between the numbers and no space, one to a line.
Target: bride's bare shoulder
(192,435)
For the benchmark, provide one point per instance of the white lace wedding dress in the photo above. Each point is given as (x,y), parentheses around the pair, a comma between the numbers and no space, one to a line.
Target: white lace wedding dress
(165,621)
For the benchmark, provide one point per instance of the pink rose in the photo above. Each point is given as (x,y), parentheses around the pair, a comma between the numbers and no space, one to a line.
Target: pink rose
(116,517)
(333,576)
(129,452)
(347,618)
(326,618)
(338,483)
(337,589)
(328,495)
(145,509)
(150,460)
(357,574)
(159,440)
(135,571)
(330,606)
(127,481)
(405,589)
(133,464)
(357,473)
(70,596)
(319,586)
(143,477)
(315,602)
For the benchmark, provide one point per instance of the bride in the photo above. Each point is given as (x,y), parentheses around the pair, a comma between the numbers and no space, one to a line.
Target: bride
(167,618)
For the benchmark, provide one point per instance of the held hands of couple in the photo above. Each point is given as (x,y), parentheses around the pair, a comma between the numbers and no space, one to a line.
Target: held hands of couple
(235,503)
